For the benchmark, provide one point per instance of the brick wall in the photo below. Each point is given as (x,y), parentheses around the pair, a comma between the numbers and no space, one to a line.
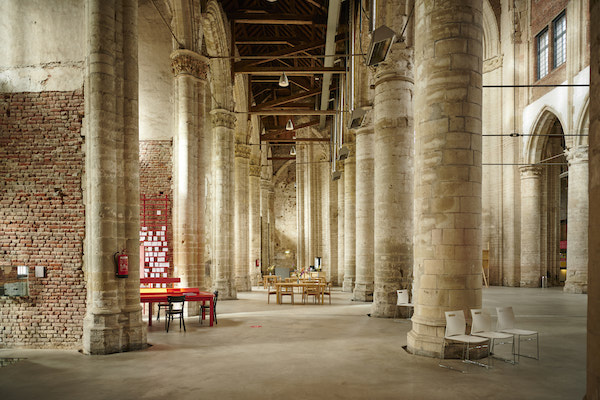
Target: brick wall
(543,12)
(42,217)
(156,168)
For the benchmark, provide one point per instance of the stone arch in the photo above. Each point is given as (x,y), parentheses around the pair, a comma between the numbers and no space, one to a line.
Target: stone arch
(186,24)
(583,126)
(491,33)
(240,98)
(534,144)
(217,38)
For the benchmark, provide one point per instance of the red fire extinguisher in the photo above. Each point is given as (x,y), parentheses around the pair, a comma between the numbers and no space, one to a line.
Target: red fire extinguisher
(122,263)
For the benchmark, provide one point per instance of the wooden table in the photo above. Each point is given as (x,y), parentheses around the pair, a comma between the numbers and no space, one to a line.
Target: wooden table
(152,296)
(301,284)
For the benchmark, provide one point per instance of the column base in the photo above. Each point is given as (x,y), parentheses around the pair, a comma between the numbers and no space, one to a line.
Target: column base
(531,284)
(101,334)
(386,310)
(363,292)
(255,278)
(226,290)
(348,285)
(134,335)
(425,339)
(242,284)
(575,287)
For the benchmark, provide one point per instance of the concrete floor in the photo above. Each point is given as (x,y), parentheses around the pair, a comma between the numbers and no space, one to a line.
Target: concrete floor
(270,351)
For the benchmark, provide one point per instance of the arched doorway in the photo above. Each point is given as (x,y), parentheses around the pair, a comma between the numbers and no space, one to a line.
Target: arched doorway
(544,189)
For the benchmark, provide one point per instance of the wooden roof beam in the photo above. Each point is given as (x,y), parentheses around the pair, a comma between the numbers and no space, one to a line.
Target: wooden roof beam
(302,71)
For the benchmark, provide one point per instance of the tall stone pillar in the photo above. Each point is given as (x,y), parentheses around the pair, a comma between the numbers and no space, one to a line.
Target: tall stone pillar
(223,147)
(189,69)
(254,220)
(113,320)
(265,186)
(393,122)
(593,310)
(447,240)
(300,167)
(530,226)
(578,218)
(363,286)
(134,330)
(340,222)
(240,225)
(332,239)
(271,241)
(349,219)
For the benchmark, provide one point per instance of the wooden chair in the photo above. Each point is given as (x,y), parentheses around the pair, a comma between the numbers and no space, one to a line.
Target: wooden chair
(271,290)
(204,307)
(176,304)
(314,290)
(327,291)
(286,291)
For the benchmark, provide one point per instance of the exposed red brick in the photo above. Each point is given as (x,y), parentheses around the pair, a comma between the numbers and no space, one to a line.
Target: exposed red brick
(42,218)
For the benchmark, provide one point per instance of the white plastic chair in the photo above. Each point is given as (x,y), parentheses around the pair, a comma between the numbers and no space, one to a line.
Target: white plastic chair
(506,324)
(456,328)
(482,326)
(402,301)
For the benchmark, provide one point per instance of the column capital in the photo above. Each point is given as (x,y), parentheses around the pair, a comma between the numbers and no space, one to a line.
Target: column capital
(186,62)
(398,66)
(530,171)
(222,117)
(577,155)
(366,129)
(254,170)
(242,150)
(266,185)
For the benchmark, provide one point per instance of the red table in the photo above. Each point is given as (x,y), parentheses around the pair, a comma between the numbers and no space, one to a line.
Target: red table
(191,294)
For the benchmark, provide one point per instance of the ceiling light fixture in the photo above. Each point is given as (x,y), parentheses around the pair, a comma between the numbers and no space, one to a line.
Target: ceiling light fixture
(283,80)
(290,125)
(293,151)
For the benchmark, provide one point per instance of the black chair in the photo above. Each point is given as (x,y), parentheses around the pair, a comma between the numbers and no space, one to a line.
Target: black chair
(164,306)
(204,307)
(176,304)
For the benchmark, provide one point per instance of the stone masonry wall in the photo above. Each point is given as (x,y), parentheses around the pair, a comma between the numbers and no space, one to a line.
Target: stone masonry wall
(42,217)
(156,170)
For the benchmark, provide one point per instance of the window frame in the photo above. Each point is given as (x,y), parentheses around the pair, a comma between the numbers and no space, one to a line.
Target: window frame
(562,17)
(540,50)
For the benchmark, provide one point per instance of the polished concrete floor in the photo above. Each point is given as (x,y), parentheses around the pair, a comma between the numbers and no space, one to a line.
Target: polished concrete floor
(270,351)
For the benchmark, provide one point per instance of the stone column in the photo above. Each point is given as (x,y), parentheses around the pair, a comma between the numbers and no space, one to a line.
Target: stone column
(264,224)
(254,220)
(333,227)
(300,247)
(271,241)
(365,215)
(577,218)
(349,219)
(223,147)
(190,70)
(447,240)
(593,310)
(393,121)
(113,320)
(134,329)
(340,224)
(240,226)
(530,226)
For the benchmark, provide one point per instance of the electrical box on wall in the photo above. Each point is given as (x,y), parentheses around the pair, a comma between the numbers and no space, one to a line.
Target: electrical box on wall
(16,289)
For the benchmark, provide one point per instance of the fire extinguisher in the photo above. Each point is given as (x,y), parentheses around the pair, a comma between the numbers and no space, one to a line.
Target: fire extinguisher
(122,264)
